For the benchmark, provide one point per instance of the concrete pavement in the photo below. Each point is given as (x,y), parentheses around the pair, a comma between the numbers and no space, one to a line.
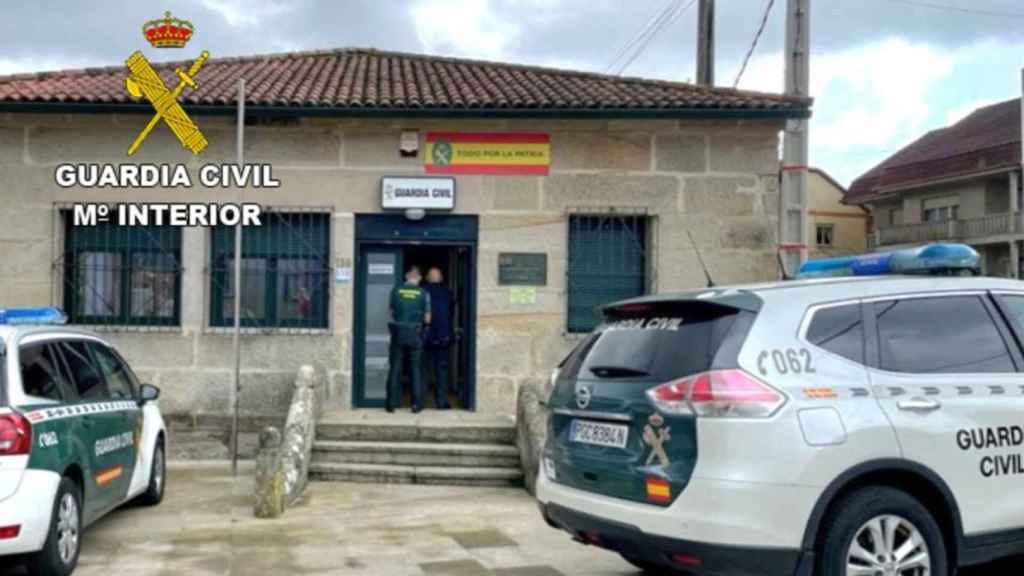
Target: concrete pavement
(205,526)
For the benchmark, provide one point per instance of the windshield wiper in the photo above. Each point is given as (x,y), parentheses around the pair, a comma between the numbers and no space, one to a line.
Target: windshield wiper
(617,371)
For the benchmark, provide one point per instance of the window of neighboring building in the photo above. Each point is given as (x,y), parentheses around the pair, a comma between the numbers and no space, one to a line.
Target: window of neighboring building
(122,275)
(825,234)
(285,272)
(941,335)
(940,209)
(607,262)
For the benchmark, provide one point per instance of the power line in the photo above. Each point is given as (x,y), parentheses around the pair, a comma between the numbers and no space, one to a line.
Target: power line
(669,19)
(753,45)
(642,32)
(960,9)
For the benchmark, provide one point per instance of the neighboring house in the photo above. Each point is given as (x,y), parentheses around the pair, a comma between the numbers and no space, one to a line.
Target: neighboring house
(961,183)
(633,166)
(834,228)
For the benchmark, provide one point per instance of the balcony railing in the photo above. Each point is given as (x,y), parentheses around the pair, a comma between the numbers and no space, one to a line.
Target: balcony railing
(990,225)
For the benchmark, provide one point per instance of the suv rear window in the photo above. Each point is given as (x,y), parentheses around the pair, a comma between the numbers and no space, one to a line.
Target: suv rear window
(660,343)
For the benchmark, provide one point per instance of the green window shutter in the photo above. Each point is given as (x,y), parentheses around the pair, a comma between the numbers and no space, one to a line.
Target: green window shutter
(607,262)
(285,272)
(122,275)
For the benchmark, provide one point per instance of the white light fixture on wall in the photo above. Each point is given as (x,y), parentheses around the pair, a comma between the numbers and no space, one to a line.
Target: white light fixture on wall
(409,145)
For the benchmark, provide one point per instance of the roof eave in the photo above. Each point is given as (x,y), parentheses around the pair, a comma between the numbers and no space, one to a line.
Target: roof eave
(257,110)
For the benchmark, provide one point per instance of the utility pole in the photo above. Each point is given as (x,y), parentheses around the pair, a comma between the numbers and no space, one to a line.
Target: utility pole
(706,43)
(793,231)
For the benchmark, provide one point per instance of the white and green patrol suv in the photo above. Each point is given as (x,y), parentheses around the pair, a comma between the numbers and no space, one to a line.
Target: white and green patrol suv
(820,427)
(79,436)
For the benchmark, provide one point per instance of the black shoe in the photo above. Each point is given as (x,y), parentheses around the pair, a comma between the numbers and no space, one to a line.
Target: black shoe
(417,409)
(390,410)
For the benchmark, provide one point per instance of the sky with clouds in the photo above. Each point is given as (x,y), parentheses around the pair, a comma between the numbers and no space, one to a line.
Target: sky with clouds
(882,71)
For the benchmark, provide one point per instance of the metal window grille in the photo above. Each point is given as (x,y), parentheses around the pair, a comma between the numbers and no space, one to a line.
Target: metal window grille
(607,262)
(285,272)
(121,275)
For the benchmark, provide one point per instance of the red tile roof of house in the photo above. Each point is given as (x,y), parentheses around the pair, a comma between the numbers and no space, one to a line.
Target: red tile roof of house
(390,83)
(986,140)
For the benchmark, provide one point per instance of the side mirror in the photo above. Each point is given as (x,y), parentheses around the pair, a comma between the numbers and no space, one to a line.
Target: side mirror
(148,393)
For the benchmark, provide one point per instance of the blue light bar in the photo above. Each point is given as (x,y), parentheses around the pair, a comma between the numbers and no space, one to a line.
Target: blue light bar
(32,316)
(932,259)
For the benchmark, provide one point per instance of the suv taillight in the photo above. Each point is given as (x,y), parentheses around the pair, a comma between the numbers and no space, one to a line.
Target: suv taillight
(718,394)
(15,435)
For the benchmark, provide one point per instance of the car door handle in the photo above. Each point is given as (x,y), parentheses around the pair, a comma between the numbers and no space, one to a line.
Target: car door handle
(919,404)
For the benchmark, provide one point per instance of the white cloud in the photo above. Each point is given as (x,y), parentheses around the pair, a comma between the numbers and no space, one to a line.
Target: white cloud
(246,12)
(463,27)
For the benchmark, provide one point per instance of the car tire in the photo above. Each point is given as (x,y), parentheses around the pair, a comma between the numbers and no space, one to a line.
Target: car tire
(59,554)
(154,493)
(884,529)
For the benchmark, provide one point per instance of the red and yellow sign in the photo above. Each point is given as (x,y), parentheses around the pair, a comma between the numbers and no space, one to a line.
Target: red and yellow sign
(487,153)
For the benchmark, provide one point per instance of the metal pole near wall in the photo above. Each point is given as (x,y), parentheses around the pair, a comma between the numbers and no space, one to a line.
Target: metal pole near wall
(706,43)
(237,334)
(793,233)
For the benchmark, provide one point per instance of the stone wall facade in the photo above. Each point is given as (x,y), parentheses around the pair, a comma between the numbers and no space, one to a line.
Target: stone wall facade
(716,179)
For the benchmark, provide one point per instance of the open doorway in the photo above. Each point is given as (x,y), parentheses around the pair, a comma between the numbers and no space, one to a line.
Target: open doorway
(381,265)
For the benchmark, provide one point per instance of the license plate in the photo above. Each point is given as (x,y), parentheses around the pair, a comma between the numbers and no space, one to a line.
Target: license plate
(599,434)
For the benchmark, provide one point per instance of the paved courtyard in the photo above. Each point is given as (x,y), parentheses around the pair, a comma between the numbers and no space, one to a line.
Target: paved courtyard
(205,527)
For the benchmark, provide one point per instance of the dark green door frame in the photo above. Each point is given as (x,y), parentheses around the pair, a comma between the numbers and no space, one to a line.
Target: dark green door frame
(393,233)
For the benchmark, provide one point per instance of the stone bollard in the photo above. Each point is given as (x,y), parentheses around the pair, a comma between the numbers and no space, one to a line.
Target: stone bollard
(270,490)
(531,424)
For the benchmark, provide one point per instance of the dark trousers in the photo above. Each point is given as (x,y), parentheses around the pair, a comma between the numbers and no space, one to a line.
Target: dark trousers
(436,365)
(406,344)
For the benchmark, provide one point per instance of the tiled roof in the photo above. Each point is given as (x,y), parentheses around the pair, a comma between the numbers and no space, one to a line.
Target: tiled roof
(388,82)
(988,139)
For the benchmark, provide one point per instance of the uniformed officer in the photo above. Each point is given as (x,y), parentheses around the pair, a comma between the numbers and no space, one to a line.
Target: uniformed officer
(410,310)
(438,341)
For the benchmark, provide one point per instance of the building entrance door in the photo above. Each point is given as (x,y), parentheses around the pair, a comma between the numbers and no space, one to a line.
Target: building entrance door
(387,246)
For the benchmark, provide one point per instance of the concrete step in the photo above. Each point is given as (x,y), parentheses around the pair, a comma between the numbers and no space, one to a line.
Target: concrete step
(497,432)
(398,474)
(417,454)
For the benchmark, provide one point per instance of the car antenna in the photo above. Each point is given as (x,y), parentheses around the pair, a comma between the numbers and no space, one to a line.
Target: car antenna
(711,283)
(782,266)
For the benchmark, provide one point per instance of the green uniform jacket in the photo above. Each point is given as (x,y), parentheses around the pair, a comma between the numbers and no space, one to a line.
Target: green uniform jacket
(409,304)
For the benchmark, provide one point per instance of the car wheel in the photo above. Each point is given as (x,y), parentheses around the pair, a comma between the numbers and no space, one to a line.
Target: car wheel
(154,493)
(882,532)
(59,554)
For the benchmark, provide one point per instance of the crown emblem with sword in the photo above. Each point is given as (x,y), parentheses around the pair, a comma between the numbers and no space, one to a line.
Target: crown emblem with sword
(145,82)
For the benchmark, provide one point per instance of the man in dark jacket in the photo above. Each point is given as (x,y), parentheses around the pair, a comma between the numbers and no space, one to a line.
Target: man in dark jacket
(439,336)
(410,310)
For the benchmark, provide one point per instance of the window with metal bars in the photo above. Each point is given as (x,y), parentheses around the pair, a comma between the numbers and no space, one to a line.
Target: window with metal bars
(122,275)
(607,262)
(285,272)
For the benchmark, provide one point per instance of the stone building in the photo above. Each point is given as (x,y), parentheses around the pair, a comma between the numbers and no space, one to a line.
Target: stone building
(960,183)
(630,170)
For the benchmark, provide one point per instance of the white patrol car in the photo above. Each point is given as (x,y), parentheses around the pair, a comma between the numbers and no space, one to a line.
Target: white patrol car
(79,436)
(825,427)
